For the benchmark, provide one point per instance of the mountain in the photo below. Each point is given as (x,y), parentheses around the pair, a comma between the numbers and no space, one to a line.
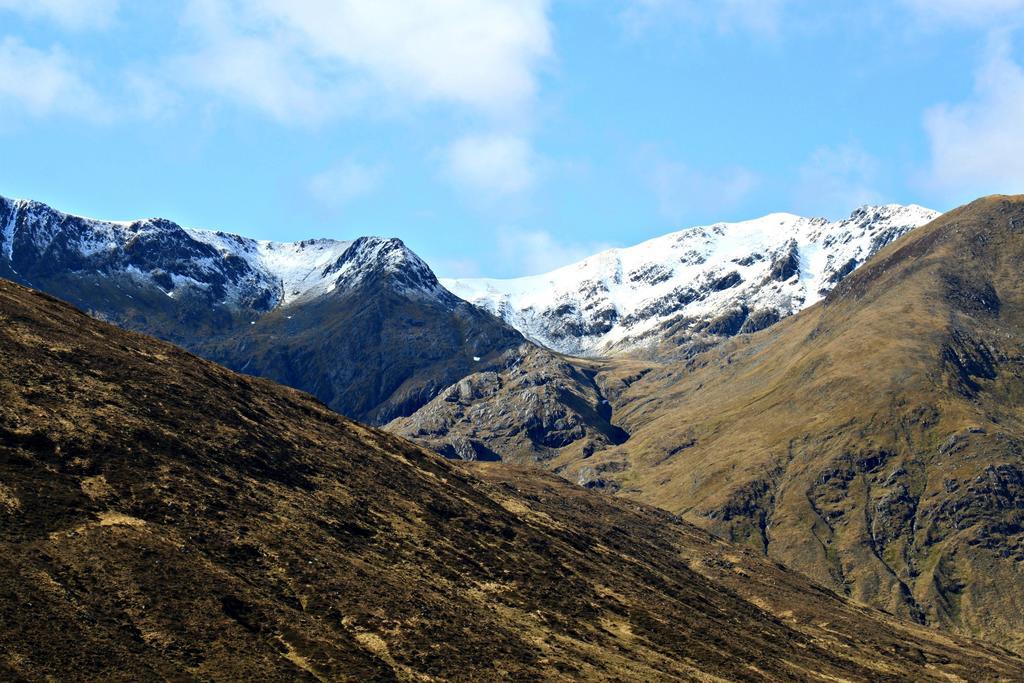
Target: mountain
(381,341)
(874,441)
(364,324)
(167,519)
(533,406)
(366,327)
(684,292)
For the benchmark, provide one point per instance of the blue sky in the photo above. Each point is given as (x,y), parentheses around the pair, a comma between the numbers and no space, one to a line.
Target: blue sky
(505,137)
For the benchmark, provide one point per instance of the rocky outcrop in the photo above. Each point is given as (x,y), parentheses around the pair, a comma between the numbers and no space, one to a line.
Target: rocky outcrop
(535,407)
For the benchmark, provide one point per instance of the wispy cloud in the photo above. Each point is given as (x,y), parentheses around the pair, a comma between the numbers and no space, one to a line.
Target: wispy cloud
(759,17)
(499,165)
(974,12)
(686,194)
(446,266)
(307,60)
(977,146)
(835,180)
(44,82)
(531,252)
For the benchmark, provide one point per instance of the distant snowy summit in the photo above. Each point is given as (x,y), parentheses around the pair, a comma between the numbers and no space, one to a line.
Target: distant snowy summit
(672,295)
(39,243)
(686,290)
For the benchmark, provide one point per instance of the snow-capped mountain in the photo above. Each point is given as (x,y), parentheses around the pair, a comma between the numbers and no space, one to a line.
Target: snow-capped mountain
(691,286)
(37,240)
(363,324)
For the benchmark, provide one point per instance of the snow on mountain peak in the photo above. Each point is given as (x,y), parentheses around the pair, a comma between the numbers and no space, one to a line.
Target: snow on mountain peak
(711,279)
(229,268)
(368,256)
(686,287)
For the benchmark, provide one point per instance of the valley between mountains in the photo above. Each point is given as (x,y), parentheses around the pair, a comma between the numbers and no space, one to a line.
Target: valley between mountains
(844,398)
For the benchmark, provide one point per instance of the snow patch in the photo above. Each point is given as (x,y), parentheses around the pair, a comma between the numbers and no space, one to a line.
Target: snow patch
(12,221)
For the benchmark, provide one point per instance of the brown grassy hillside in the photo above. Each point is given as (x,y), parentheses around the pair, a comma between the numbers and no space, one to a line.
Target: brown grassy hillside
(166,519)
(875,441)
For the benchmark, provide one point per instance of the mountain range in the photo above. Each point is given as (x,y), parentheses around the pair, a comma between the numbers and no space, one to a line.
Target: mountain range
(363,325)
(841,396)
(366,327)
(167,519)
(683,292)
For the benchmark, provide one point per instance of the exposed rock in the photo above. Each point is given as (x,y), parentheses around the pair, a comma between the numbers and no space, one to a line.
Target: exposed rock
(786,264)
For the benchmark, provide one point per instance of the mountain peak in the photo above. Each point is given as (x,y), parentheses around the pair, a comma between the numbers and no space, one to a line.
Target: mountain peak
(368,259)
(38,242)
(692,287)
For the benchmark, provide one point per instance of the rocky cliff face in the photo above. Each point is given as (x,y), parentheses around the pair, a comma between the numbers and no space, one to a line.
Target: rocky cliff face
(382,342)
(533,406)
(682,293)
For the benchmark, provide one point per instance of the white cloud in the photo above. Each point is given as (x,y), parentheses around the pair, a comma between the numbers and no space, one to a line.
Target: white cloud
(685,194)
(977,146)
(339,185)
(147,96)
(497,165)
(531,252)
(45,82)
(760,17)
(70,14)
(307,59)
(253,68)
(836,180)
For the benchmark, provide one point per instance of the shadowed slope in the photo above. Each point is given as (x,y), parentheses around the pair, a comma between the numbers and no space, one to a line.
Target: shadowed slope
(378,347)
(875,441)
(166,518)
(363,325)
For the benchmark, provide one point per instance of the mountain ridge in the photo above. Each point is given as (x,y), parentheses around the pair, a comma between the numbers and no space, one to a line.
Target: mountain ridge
(279,272)
(241,302)
(692,287)
(874,441)
(669,296)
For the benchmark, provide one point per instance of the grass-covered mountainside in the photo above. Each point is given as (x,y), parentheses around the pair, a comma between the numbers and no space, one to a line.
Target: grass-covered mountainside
(874,442)
(167,519)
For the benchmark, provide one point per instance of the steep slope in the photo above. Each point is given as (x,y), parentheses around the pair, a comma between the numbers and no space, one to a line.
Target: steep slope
(875,441)
(364,324)
(681,293)
(164,518)
(382,340)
